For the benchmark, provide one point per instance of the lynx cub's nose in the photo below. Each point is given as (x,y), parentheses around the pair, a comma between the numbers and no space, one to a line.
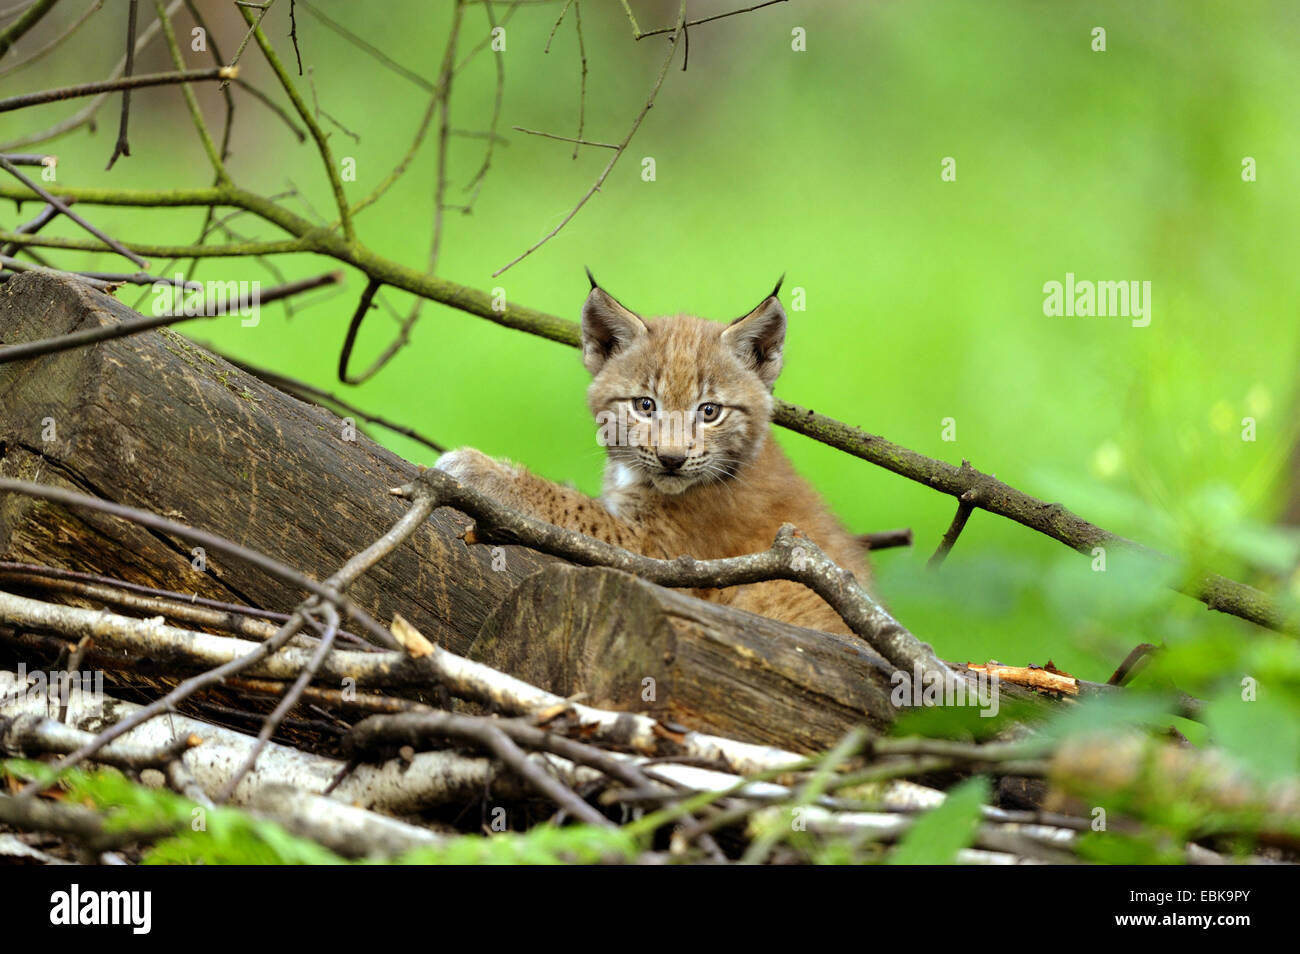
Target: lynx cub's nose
(671,460)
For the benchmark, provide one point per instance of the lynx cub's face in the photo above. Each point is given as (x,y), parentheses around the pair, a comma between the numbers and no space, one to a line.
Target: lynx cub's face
(680,401)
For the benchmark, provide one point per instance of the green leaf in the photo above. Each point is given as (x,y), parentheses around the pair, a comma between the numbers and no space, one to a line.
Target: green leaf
(938,835)
(1263,734)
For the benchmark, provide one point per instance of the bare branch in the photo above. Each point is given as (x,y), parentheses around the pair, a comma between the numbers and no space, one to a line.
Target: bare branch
(46,215)
(555,26)
(582,77)
(886,539)
(313,127)
(31,16)
(191,101)
(791,557)
(476,183)
(965,504)
(368,48)
(325,591)
(622,146)
(330,592)
(265,8)
(113,85)
(719,16)
(578,141)
(293,33)
(272,721)
(87,114)
(237,618)
(54,44)
(235,249)
(314,395)
(122,147)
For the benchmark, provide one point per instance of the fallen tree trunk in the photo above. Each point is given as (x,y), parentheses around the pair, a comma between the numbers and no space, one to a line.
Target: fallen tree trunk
(152,421)
(155,422)
(633,646)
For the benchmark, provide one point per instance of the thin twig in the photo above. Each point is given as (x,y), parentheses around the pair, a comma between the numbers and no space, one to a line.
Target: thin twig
(191,101)
(234,249)
(87,336)
(63,207)
(272,721)
(555,26)
(113,85)
(109,278)
(791,557)
(317,134)
(579,141)
(809,791)
(293,33)
(123,147)
(189,607)
(719,16)
(133,326)
(443,100)
(330,593)
(32,16)
(227,124)
(582,78)
(358,316)
(885,539)
(31,159)
(1125,670)
(487,733)
(370,49)
(476,183)
(388,181)
(54,44)
(16,266)
(243,44)
(324,591)
(272,105)
(46,215)
(600,180)
(87,114)
(966,504)
(314,395)
(74,665)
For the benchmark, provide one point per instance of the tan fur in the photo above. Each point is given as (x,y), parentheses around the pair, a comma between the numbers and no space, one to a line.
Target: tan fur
(734,486)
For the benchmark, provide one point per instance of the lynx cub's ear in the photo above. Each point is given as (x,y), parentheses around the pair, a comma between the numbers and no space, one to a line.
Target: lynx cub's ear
(607,327)
(758,338)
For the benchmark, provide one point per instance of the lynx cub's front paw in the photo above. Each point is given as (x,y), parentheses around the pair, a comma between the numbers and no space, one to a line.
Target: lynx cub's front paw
(476,469)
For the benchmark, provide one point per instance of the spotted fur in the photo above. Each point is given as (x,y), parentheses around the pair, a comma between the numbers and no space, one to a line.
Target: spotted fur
(709,488)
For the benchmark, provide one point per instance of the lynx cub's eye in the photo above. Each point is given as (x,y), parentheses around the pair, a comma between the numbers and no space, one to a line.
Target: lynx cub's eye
(709,412)
(644,406)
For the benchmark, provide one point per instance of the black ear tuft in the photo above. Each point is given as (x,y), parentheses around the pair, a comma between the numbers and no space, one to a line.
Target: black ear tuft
(592,278)
(607,328)
(775,291)
(758,339)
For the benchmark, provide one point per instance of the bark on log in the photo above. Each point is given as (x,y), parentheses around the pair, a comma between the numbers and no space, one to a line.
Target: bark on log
(636,647)
(154,421)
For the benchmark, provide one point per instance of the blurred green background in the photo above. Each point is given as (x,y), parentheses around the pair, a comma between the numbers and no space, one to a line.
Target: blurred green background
(924,297)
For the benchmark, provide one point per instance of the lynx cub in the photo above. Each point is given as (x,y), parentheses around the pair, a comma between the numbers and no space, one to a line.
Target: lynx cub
(684,407)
